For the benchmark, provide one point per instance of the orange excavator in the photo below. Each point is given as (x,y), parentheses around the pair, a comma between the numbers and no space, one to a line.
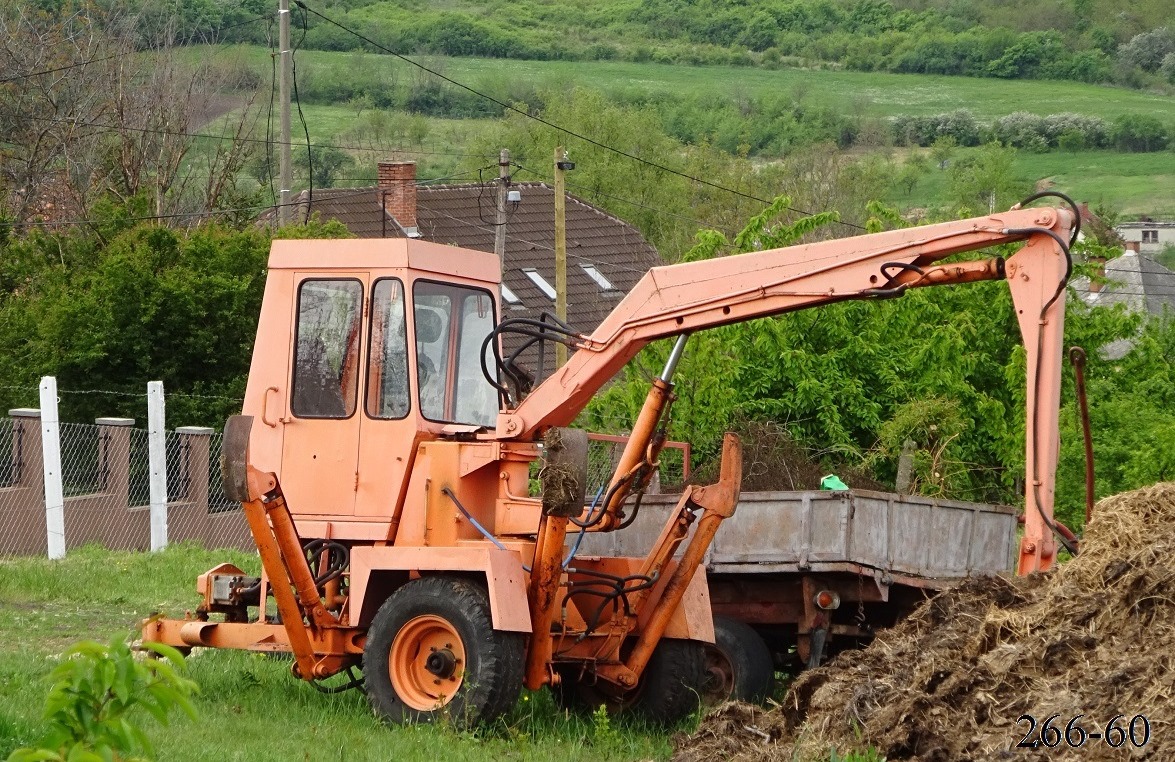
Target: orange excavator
(384,465)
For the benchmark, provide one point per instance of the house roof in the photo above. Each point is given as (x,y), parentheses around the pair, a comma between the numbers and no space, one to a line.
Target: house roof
(463,215)
(1135,280)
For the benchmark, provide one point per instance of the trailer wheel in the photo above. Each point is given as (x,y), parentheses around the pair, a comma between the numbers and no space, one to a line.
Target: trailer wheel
(432,652)
(668,692)
(738,664)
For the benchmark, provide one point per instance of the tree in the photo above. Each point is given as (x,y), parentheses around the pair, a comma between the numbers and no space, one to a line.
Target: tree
(983,180)
(99,696)
(323,164)
(942,150)
(1139,133)
(1147,50)
(140,302)
(118,117)
(852,381)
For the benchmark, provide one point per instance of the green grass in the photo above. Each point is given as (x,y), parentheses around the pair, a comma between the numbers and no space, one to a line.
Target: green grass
(1129,183)
(249,706)
(865,93)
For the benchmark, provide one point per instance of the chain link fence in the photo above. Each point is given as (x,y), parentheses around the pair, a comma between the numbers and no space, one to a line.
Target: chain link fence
(200,510)
(105,476)
(107,495)
(605,450)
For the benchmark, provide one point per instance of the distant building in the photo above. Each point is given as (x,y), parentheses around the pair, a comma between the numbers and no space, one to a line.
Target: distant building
(1150,236)
(1136,281)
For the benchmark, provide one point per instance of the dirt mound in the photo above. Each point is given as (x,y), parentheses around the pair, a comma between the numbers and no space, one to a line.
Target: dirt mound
(1096,637)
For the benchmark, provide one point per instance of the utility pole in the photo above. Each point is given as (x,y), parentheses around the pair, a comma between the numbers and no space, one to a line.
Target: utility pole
(561,164)
(500,223)
(283,42)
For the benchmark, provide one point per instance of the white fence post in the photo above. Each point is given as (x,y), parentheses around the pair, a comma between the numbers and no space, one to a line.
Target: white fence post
(157,455)
(51,456)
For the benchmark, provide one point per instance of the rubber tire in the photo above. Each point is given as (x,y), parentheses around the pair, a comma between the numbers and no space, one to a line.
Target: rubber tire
(748,657)
(669,690)
(495,660)
(671,686)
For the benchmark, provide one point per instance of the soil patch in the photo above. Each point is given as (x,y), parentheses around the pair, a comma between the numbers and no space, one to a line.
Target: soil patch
(1095,637)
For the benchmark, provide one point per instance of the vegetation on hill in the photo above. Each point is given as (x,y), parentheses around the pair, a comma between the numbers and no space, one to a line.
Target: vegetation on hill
(1083,40)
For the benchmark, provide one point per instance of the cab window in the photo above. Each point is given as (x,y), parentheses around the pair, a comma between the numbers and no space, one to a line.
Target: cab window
(387,373)
(452,323)
(326,354)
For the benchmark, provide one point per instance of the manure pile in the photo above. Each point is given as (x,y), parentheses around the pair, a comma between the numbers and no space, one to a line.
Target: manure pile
(1095,637)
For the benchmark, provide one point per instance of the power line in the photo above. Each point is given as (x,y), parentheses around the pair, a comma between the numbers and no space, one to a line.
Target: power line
(552,125)
(178,215)
(594,192)
(305,129)
(78,65)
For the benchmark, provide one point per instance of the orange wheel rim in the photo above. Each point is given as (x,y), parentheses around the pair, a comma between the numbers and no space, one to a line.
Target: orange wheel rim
(427,662)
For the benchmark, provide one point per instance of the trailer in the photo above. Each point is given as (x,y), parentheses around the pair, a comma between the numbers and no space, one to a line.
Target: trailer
(795,577)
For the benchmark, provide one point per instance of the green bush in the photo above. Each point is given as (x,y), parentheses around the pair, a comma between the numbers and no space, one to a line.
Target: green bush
(100,696)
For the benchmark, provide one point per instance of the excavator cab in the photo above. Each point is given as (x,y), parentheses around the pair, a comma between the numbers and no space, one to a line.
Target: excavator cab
(356,363)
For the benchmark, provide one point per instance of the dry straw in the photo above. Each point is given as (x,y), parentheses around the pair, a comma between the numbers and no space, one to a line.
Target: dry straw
(1096,638)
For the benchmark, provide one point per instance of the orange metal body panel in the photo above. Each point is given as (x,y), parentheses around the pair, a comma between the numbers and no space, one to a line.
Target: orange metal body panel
(503,570)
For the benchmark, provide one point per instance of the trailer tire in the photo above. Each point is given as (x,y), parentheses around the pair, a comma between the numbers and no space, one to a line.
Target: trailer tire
(435,633)
(669,688)
(738,664)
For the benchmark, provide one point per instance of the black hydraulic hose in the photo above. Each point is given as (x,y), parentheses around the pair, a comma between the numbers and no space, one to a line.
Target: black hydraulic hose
(1072,205)
(537,330)
(604,505)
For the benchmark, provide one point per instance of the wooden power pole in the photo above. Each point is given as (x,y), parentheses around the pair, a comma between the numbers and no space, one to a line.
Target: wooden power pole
(283,17)
(500,221)
(561,164)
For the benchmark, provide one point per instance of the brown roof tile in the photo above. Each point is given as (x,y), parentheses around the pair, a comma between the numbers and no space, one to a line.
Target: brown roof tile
(463,215)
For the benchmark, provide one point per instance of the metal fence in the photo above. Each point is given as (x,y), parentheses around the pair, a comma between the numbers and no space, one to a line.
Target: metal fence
(64,485)
(604,451)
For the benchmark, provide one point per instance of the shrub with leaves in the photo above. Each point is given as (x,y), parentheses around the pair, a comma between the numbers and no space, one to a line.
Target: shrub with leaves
(99,696)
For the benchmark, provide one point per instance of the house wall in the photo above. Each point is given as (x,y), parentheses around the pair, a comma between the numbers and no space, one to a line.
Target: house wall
(1151,237)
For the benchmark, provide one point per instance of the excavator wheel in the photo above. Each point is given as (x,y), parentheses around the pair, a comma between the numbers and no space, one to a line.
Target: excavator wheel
(668,691)
(432,652)
(738,664)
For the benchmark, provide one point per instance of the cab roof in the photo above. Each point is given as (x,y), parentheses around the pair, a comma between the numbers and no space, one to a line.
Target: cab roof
(383,253)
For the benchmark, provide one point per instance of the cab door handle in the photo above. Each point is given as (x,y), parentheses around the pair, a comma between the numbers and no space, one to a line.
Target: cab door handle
(265,407)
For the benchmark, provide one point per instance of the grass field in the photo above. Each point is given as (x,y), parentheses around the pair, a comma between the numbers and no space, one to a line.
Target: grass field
(1130,183)
(868,93)
(249,707)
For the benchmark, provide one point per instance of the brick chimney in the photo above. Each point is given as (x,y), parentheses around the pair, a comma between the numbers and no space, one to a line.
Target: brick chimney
(1094,283)
(397,185)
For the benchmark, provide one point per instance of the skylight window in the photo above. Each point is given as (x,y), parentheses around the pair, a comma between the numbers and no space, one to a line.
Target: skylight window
(598,277)
(537,279)
(508,295)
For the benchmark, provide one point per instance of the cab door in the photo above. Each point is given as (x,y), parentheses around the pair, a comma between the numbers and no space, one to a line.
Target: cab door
(320,448)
